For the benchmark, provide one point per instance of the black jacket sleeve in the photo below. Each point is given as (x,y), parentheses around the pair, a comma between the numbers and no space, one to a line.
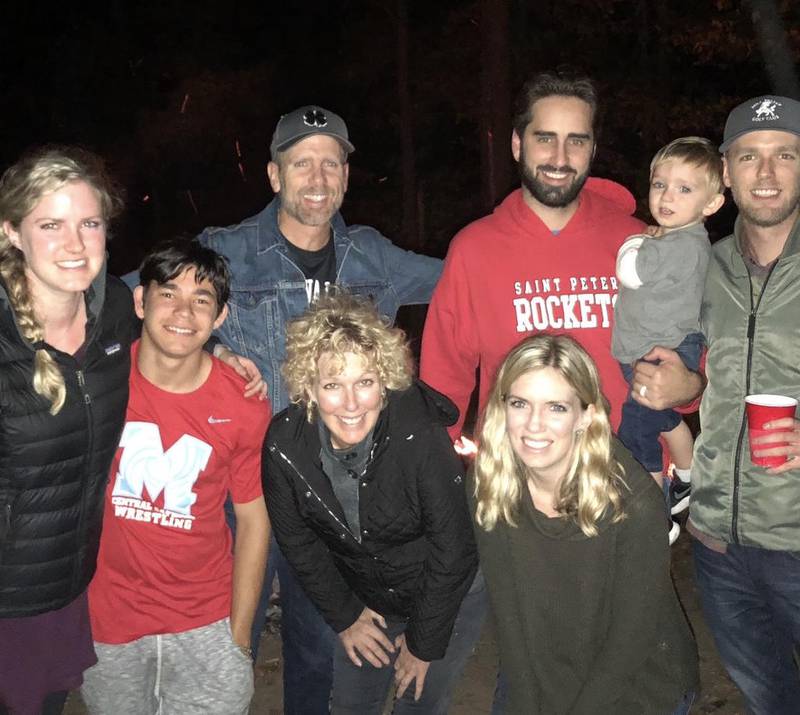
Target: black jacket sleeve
(452,558)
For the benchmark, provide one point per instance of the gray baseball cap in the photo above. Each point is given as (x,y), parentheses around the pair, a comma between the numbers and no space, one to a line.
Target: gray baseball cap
(304,122)
(769,112)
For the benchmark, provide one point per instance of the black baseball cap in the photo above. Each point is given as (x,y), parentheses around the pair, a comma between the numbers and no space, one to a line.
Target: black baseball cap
(768,112)
(304,122)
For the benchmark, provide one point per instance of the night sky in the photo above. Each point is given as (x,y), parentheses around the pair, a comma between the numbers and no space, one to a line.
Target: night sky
(181,98)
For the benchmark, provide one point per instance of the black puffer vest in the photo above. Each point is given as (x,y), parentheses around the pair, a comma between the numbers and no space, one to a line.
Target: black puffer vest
(53,469)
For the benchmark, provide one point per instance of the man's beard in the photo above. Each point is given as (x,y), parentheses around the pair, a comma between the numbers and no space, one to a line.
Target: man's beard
(766,218)
(293,206)
(556,197)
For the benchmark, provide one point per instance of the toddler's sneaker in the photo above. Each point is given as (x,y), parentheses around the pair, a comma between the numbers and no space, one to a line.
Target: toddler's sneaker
(674,531)
(680,493)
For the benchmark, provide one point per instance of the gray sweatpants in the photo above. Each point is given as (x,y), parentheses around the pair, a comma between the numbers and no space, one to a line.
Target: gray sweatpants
(201,671)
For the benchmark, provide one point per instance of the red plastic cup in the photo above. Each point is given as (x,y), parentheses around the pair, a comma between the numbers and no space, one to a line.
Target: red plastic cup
(760,410)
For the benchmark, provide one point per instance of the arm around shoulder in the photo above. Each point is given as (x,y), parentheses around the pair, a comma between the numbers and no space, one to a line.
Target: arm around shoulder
(413,275)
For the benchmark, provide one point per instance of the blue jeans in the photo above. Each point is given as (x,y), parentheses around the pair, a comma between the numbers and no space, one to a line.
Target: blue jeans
(363,691)
(751,601)
(307,639)
(641,426)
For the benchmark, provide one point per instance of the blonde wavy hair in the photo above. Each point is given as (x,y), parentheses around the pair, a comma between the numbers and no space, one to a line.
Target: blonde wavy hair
(593,485)
(695,151)
(340,323)
(21,188)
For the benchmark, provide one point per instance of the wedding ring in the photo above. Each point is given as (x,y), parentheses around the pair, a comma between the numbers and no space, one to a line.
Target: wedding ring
(643,390)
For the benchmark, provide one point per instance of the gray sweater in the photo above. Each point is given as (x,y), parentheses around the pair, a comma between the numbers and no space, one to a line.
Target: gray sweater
(666,308)
(589,625)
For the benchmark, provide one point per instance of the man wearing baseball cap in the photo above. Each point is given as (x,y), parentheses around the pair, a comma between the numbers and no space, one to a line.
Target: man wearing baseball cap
(281,260)
(746,518)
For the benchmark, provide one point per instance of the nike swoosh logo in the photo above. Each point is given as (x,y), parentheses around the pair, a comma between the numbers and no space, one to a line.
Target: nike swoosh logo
(216,420)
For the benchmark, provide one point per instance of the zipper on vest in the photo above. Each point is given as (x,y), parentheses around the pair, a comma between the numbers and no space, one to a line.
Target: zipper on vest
(751,335)
(82,384)
(87,401)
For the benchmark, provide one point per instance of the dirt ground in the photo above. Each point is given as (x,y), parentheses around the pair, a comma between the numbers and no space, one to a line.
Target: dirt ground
(474,694)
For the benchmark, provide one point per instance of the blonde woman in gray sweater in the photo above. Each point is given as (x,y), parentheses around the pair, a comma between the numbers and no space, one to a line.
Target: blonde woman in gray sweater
(570,542)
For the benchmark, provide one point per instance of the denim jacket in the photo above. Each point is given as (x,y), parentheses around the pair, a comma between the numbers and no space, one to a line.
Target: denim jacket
(268,288)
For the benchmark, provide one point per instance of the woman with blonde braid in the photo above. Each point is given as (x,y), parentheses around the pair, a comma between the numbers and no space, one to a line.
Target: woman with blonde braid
(570,543)
(65,334)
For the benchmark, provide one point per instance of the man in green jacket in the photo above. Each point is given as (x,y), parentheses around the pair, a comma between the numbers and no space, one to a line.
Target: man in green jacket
(746,518)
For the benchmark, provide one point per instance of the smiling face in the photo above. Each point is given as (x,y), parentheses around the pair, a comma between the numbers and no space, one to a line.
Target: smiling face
(762,169)
(543,414)
(555,151)
(178,315)
(63,240)
(680,194)
(349,397)
(311,180)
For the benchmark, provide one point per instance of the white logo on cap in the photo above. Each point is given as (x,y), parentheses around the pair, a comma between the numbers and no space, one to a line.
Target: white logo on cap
(315,118)
(765,110)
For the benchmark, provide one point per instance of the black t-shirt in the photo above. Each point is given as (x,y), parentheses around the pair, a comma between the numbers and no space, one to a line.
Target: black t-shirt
(319,268)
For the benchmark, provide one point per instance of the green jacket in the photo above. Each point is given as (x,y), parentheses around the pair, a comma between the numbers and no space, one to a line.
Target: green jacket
(753,347)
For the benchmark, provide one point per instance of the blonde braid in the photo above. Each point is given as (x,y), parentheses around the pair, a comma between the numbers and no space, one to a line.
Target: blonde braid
(47,378)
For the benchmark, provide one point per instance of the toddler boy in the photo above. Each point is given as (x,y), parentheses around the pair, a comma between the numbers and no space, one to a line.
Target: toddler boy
(662,278)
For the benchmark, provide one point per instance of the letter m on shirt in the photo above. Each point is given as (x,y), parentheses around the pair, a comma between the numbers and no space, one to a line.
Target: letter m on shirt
(144,463)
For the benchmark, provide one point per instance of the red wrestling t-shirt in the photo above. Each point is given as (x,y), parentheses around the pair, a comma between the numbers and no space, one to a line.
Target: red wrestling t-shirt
(165,563)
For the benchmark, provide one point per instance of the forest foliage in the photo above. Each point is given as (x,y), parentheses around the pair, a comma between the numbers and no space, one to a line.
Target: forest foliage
(182,102)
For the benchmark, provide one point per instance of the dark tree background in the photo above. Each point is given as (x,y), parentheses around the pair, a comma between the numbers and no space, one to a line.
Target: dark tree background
(181,98)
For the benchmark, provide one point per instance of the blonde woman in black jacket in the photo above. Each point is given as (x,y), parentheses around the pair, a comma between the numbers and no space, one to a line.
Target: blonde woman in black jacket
(367,500)
(65,334)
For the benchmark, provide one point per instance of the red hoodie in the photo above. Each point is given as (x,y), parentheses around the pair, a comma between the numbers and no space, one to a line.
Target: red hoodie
(507,276)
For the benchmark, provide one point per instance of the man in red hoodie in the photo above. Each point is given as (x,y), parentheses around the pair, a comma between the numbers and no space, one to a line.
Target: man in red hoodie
(543,260)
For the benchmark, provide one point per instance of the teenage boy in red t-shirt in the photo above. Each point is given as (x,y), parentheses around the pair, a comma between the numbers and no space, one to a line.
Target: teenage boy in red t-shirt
(173,599)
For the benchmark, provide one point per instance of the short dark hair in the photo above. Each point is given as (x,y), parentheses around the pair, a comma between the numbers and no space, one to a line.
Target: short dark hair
(559,83)
(173,256)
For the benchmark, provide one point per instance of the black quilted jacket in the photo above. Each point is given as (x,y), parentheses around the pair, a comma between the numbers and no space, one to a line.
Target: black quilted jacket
(417,556)
(53,469)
